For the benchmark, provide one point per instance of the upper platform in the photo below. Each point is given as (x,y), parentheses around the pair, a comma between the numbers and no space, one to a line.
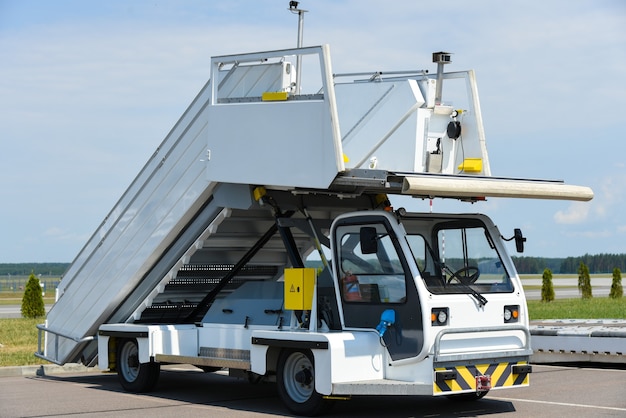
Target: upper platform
(419,131)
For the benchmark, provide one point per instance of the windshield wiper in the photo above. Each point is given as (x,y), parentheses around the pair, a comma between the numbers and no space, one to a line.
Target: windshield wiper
(482,301)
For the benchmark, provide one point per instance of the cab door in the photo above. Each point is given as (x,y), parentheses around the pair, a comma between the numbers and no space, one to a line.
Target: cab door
(373,276)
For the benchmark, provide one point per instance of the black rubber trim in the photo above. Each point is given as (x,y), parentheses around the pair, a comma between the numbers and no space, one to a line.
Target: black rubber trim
(123,334)
(320,345)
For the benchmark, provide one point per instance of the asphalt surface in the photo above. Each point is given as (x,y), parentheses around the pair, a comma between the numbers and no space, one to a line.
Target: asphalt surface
(554,392)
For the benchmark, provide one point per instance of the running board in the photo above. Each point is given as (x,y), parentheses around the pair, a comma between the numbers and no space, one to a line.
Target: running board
(382,387)
(204,361)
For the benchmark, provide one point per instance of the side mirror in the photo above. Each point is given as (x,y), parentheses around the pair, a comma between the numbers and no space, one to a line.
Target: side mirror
(519,240)
(369,240)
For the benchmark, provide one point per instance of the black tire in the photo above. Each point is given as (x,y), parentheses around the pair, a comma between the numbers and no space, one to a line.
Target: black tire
(295,376)
(134,376)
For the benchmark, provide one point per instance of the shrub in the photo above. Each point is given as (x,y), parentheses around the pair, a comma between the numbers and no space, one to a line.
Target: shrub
(547,290)
(32,301)
(584,281)
(617,291)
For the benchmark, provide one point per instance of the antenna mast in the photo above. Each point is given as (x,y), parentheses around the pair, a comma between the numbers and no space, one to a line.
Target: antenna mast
(293,8)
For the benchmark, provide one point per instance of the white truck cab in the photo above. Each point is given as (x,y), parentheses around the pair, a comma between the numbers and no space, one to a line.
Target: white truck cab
(419,304)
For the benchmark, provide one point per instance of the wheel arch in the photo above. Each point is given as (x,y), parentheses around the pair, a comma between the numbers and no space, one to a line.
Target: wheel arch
(271,359)
(273,347)
(296,379)
(107,352)
(134,375)
(112,353)
(108,342)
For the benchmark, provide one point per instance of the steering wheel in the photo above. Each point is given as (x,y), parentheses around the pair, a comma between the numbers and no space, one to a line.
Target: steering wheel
(465,278)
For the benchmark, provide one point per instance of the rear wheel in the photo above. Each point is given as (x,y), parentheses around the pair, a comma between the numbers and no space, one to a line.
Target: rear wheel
(296,383)
(135,376)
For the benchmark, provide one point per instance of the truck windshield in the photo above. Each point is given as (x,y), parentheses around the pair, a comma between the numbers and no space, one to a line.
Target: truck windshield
(460,258)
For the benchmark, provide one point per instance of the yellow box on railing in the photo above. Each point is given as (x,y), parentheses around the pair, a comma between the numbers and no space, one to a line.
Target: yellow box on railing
(471,165)
(275,96)
(299,287)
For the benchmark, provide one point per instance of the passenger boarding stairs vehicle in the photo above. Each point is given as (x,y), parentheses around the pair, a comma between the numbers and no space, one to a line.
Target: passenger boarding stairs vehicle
(260,238)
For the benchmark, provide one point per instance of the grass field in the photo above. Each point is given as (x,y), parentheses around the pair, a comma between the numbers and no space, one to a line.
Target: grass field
(18,342)
(594,308)
(12,289)
(10,298)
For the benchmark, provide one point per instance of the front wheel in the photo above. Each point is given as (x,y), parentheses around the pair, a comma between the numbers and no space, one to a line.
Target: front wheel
(295,376)
(135,376)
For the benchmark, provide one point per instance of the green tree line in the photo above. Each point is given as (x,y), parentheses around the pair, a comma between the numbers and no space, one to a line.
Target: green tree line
(25,269)
(536,265)
(599,263)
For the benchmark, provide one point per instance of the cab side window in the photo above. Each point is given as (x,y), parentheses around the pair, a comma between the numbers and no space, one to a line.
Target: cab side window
(372,274)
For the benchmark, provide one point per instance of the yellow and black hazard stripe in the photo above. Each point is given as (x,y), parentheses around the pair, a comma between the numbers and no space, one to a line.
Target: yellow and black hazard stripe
(454,379)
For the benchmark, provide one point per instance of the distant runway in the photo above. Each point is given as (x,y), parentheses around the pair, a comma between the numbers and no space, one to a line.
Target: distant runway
(14,311)
(563,289)
(567,288)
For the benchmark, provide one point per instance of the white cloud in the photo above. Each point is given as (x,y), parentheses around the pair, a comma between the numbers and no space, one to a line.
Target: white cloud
(609,194)
(596,234)
(576,213)
(53,232)
(613,187)
(60,235)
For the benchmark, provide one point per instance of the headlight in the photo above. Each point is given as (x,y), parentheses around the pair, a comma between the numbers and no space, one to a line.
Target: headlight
(511,313)
(439,317)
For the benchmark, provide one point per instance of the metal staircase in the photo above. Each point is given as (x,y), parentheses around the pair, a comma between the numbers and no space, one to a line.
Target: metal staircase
(189,229)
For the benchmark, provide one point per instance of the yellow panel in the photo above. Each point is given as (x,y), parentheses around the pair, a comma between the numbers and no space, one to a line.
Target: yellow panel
(275,96)
(465,375)
(259,192)
(299,286)
(471,165)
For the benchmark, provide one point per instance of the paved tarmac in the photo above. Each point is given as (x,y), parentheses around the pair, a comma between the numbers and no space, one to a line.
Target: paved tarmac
(554,392)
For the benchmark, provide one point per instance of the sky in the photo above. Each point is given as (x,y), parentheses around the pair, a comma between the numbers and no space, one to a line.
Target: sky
(89,89)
